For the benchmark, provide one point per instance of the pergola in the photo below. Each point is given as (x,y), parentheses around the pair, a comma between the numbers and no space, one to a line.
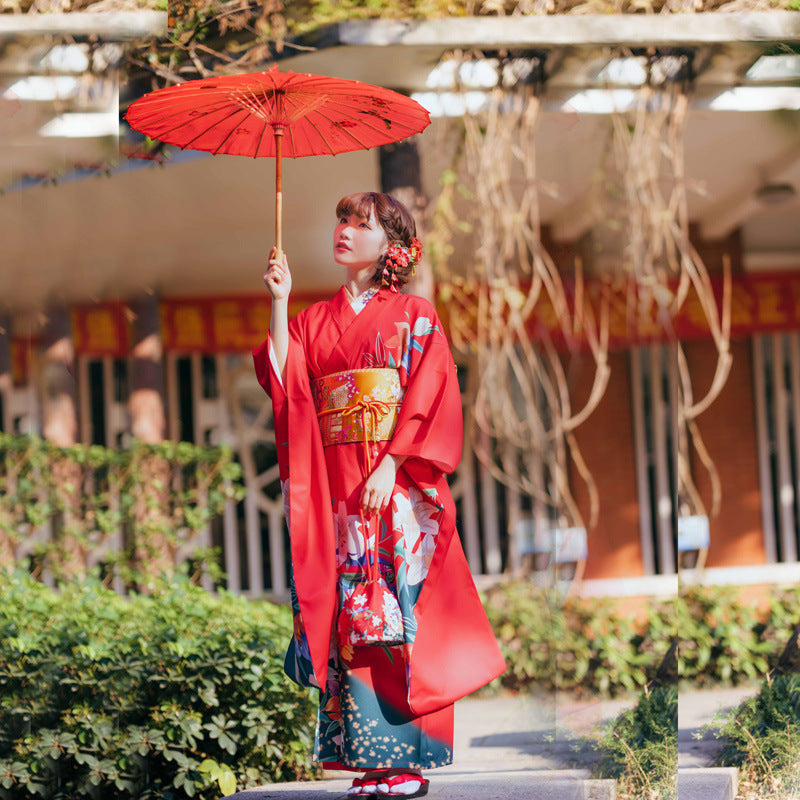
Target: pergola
(742,153)
(196,225)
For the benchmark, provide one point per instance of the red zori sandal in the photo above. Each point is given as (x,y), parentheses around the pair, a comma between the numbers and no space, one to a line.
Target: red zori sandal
(404,785)
(362,787)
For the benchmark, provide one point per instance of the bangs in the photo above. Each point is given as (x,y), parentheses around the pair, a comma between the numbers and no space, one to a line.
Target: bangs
(359,203)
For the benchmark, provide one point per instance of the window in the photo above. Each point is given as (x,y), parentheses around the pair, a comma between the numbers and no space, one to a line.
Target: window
(776,368)
(654,401)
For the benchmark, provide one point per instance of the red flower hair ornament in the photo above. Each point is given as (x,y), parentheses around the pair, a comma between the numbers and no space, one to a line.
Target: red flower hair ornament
(398,255)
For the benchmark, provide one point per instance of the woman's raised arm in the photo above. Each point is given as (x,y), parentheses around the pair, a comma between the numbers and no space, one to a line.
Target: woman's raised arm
(278,279)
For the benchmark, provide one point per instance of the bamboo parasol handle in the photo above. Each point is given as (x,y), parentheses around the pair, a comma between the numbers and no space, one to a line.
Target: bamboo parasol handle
(278,191)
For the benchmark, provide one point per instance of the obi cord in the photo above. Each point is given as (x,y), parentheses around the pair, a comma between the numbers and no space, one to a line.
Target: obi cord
(358,405)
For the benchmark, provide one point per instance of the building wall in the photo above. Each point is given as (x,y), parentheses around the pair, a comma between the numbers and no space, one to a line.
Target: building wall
(606,442)
(728,429)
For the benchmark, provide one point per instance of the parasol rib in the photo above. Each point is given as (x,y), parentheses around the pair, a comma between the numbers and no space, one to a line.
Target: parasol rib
(361,116)
(230,133)
(261,138)
(291,139)
(162,134)
(344,130)
(308,114)
(160,118)
(204,132)
(319,133)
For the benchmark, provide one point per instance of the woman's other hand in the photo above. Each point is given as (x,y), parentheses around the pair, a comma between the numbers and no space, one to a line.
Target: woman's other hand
(278,278)
(378,487)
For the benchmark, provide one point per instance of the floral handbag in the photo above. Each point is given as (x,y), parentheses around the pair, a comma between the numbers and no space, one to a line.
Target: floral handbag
(370,615)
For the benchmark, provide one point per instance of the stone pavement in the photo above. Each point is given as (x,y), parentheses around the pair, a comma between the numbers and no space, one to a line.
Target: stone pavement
(519,747)
(697,747)
(528,747)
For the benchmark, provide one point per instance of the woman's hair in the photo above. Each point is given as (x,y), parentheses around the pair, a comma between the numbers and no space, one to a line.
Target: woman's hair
(394,218)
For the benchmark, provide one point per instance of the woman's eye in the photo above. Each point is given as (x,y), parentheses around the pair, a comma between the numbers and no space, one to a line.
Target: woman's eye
(364,225)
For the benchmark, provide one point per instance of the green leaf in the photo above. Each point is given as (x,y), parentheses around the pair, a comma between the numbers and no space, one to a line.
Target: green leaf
(227,782)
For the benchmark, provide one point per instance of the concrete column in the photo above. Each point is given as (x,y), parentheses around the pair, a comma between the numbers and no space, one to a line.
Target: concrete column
(5,373)
(154,553)
(146,403)
(59,408)
(60,426)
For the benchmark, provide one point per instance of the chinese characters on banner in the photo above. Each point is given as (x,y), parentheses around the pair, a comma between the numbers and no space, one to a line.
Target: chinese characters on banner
(760,303)
(102,330)
(221,324)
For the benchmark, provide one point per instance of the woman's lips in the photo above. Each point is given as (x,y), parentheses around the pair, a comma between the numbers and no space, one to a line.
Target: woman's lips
(341,246)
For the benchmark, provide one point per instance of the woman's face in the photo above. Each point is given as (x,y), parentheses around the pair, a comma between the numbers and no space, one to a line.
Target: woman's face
(357,242)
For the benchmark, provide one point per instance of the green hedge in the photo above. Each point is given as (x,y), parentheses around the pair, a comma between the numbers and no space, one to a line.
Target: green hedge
(144,697)
(159,495)
(589,645)
(762,738)
(579,645)
(640,747)
(181,693)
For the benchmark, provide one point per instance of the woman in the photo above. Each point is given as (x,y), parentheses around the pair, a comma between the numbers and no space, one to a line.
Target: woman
(368,422)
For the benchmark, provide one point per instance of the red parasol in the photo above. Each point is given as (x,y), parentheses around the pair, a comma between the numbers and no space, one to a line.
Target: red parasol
(277,114)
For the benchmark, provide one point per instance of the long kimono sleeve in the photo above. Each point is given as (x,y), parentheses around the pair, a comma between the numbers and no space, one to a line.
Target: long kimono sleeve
(429,426)
(269,377)
(302,461)
(454,650)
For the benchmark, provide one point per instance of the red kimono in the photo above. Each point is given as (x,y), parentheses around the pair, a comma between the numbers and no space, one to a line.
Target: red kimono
(375,695)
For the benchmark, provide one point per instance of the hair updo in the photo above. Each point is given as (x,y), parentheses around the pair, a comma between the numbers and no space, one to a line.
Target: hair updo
(393,217)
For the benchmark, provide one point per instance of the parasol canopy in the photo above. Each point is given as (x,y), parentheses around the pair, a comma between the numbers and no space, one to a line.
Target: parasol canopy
(277,114)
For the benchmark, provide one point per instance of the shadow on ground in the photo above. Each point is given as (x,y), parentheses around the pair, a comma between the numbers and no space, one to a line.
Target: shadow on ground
(541,749)
(307,792)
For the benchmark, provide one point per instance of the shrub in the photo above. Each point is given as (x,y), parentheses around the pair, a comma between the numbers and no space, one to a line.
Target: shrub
(579,645)
(763,740)
(589,645)
(722,638)
(175,695)
(640,747)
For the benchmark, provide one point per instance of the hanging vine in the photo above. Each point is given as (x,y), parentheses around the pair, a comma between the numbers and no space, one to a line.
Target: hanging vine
(522,420)
(63,504)
(658,254)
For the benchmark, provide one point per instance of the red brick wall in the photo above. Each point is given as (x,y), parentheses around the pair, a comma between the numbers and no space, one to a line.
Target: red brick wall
(713,250)
(729,432)
(606,442)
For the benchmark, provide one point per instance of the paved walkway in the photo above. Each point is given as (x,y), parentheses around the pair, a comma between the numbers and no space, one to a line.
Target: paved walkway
(527,747)
(697,746)
(522,747)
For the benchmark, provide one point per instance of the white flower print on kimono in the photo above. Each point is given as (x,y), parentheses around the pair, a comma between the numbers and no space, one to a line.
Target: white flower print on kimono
(411,339)
(416,518)
(351,540)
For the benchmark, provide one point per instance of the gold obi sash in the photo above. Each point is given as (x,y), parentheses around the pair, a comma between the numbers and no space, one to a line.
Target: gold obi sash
(357,405)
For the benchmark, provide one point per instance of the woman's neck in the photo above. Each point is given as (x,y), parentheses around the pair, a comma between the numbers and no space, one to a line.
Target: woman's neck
(358,282)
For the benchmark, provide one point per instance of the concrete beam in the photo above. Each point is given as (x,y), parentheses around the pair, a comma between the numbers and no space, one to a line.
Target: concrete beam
(735,209)
(667,30)
(108,25)
(774,261)
(576,219)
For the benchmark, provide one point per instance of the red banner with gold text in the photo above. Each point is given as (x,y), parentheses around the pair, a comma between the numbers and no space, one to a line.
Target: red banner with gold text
(102,329)
(230,324)
(759,304)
